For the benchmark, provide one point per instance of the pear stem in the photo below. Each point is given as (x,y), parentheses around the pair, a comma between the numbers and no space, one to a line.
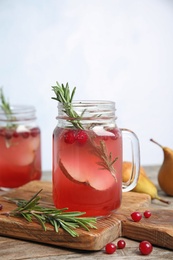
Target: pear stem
(162,200)
(156,142)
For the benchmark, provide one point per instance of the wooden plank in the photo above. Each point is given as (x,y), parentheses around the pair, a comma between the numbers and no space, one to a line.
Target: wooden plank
(158,229)
(108,229)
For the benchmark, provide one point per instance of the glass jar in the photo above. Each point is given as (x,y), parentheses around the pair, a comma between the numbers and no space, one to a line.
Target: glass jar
(20,147)
(87,158)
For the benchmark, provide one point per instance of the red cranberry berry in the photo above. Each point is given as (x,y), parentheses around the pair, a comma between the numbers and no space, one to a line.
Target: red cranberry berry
(8,135)
(35,131)
(15,134)
(25,134)
(110,248)
(69,137)
(2,131)
(81,137)
(145,247)
(121,244)
(147,214)
(136,216)
(1,207)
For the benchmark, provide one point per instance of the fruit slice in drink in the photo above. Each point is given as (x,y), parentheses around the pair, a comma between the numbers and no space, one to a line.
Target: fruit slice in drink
(99,181)
(85,161)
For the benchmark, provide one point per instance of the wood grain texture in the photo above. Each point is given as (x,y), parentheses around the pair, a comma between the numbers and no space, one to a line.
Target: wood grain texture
(107,230)
(158,229)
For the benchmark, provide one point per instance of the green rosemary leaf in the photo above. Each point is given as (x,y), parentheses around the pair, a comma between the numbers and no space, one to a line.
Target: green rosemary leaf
(29,205)
(67,93)
(55,224)
(28,217)
(72,214)
(69,224)
(72,94)
(69,230)
(32,202)
(83,225)
(5,106)
(40,219)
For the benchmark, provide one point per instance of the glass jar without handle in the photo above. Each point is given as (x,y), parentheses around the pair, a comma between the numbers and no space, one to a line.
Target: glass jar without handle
(87,158)
(20,147)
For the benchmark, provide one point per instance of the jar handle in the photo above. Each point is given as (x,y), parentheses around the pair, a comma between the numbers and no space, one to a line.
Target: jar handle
(131,183)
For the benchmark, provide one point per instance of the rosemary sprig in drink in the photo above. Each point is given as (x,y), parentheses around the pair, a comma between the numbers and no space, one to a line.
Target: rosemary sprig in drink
(107,161)
(5,106)
(64,96)
(59,218)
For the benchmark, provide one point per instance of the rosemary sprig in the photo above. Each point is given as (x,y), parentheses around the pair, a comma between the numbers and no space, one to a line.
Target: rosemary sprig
(58,218)
(107,162)
(5,106)
(64,96)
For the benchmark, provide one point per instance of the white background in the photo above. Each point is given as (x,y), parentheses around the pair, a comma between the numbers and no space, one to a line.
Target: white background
(119,50)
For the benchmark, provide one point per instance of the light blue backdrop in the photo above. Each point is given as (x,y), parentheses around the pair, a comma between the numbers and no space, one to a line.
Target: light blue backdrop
(118,50)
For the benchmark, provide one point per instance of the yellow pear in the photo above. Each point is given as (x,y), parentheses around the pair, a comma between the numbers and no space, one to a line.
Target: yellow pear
(165,174)
(127,169)
(144,184)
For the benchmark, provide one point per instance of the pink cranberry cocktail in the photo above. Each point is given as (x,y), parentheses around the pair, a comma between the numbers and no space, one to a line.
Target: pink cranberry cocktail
(82,180)
(20,151)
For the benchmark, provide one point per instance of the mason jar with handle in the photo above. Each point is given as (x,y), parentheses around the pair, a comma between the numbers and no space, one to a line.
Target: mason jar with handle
(87,158)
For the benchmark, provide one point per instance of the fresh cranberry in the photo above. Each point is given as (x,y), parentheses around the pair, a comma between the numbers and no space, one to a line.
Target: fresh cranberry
(35,131)
(121,244)
(2,131)
(25,134)
(69,137)
(8,134)
(81,137)
(1,207)
(145,247)
(110,248)
(15,134)
(136,216)
(147,214)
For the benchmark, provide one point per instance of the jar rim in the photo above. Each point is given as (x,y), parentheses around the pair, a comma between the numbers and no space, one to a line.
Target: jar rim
(91,102)
(20,108)
(19,113)
(98,110)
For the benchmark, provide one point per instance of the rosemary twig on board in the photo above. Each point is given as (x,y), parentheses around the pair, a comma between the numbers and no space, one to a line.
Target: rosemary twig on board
(31,210)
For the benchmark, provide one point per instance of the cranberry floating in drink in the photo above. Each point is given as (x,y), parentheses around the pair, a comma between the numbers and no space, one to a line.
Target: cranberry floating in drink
(87,155)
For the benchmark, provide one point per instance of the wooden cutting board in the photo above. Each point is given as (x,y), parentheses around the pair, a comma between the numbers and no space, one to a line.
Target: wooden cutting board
(158,229)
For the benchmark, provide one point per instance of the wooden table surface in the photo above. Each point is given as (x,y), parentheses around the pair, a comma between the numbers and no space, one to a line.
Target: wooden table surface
(14,249)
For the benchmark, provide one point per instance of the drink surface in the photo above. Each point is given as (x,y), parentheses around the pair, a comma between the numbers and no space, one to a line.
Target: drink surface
(83,177)
(20,156)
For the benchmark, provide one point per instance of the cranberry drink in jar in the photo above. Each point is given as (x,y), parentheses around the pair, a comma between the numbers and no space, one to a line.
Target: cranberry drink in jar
(87,156)
(20,150)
